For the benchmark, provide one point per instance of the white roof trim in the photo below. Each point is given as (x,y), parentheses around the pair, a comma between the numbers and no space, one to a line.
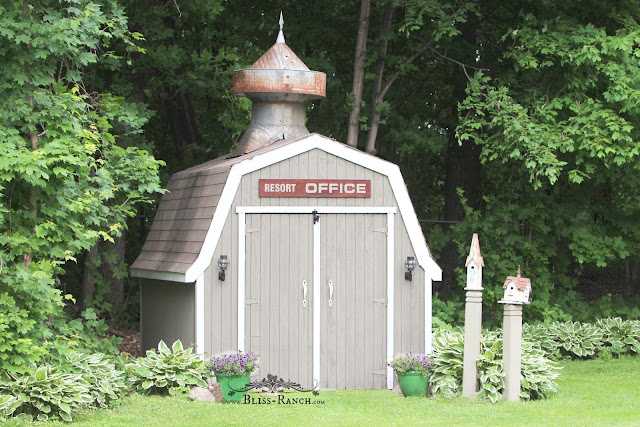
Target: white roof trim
(313,141)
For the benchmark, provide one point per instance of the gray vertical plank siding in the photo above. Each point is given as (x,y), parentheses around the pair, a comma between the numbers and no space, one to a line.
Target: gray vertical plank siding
(168,313)
(348,338)
(274,281)
(352,357)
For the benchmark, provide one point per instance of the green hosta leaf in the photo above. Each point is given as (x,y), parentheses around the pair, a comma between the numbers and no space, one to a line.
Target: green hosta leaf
(41,373)
(162,348)
(65,407)
(177,346)
(66,416)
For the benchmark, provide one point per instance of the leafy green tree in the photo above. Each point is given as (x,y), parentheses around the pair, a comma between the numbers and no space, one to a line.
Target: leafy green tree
(557,119)
(67,176)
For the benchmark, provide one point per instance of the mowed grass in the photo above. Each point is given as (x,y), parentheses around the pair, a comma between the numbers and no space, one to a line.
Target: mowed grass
(592,393)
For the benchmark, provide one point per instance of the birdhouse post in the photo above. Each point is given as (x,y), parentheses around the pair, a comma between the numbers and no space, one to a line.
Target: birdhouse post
(516,294)
(472,319)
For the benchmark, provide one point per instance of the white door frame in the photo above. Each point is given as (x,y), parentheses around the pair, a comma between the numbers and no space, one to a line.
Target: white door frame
(389,211)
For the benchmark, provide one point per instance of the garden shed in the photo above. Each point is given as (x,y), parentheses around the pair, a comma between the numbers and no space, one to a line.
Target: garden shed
(296,247)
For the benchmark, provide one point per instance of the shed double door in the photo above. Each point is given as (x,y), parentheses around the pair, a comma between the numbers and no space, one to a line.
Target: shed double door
(279,297)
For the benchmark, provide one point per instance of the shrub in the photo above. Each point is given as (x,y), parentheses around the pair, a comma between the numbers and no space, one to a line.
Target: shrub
(106,383)
(620,336)
(168,370)
(412,363)
(43,392)
(233,364)
(86,335)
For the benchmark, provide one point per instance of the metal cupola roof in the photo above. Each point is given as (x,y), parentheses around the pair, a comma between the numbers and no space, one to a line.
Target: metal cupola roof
(279,70)
(278,83)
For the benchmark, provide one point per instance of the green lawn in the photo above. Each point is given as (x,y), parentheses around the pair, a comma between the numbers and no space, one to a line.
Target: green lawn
(592,393)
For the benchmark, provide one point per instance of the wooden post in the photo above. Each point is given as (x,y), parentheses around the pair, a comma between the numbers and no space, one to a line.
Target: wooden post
(472,319)
(472,335)
(512,351)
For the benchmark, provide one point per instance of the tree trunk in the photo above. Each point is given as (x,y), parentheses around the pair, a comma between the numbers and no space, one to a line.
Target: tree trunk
(184,128)
(377,98)
(88,277)
(631,277)
(358,71)
(35,139)
(112,261)
(462,165)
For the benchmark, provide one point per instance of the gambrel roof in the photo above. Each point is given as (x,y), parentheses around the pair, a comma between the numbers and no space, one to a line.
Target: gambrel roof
(191,215)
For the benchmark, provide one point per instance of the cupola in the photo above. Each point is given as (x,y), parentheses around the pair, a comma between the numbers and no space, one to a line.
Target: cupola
(278,84)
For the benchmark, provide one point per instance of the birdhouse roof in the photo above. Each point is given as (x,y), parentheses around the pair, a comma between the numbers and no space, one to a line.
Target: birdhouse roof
(474,252)
(520,282)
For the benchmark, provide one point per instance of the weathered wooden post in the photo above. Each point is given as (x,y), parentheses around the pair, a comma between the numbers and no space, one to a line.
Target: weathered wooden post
(516,294)
(472,319)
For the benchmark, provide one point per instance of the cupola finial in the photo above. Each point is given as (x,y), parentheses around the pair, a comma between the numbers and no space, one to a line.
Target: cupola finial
(280,38)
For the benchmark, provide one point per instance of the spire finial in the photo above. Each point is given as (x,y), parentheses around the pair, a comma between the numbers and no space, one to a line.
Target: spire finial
(280,38)
(518,271)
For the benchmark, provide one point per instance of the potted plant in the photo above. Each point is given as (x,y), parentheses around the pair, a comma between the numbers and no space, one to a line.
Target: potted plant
(414,372)
(232,372)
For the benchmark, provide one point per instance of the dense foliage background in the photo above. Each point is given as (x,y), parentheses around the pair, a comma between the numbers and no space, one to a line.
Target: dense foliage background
(518,121)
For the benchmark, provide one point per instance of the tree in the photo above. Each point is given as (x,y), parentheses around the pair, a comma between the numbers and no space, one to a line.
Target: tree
(67,176)
(359,58)
(557,119)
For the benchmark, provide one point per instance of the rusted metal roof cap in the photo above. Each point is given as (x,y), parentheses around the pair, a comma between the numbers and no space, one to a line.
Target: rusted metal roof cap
(279,70)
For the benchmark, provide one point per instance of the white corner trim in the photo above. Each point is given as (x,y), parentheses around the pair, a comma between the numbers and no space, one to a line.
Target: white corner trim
(330,146)
(316,304)
(390,297)
(242,242)
(199,290)
(428,321)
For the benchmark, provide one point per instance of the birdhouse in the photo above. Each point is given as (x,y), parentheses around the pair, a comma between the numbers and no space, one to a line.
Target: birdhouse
(474,266)
(516,289)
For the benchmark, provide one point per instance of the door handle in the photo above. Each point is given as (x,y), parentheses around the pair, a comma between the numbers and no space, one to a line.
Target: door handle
(330,284)
(304,292)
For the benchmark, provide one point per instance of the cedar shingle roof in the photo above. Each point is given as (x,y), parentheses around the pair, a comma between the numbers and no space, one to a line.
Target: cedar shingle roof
(186,211)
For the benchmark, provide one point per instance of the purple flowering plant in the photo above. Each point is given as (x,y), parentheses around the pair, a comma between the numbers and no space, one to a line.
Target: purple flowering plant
(233,364)
(410,362)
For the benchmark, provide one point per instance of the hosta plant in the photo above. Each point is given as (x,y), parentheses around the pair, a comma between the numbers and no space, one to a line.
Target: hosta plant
(410,362)
(489,366)
(43,392)
(168,370)
(8,405)
(106,383)
(571,339)
(233,364)
(538,372)
(448,355)
(539,333)
(620,336)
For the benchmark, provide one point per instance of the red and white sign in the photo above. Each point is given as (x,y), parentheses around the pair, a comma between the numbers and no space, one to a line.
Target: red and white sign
(315,188)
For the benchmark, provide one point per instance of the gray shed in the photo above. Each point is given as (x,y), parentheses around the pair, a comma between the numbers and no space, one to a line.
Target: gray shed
(317,237)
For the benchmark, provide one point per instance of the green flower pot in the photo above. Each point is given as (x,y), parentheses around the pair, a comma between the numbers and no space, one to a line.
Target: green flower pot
(233,386)
(413,384)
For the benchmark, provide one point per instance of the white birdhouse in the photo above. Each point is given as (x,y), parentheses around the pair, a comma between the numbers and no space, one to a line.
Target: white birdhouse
(516,289)
(474,266)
